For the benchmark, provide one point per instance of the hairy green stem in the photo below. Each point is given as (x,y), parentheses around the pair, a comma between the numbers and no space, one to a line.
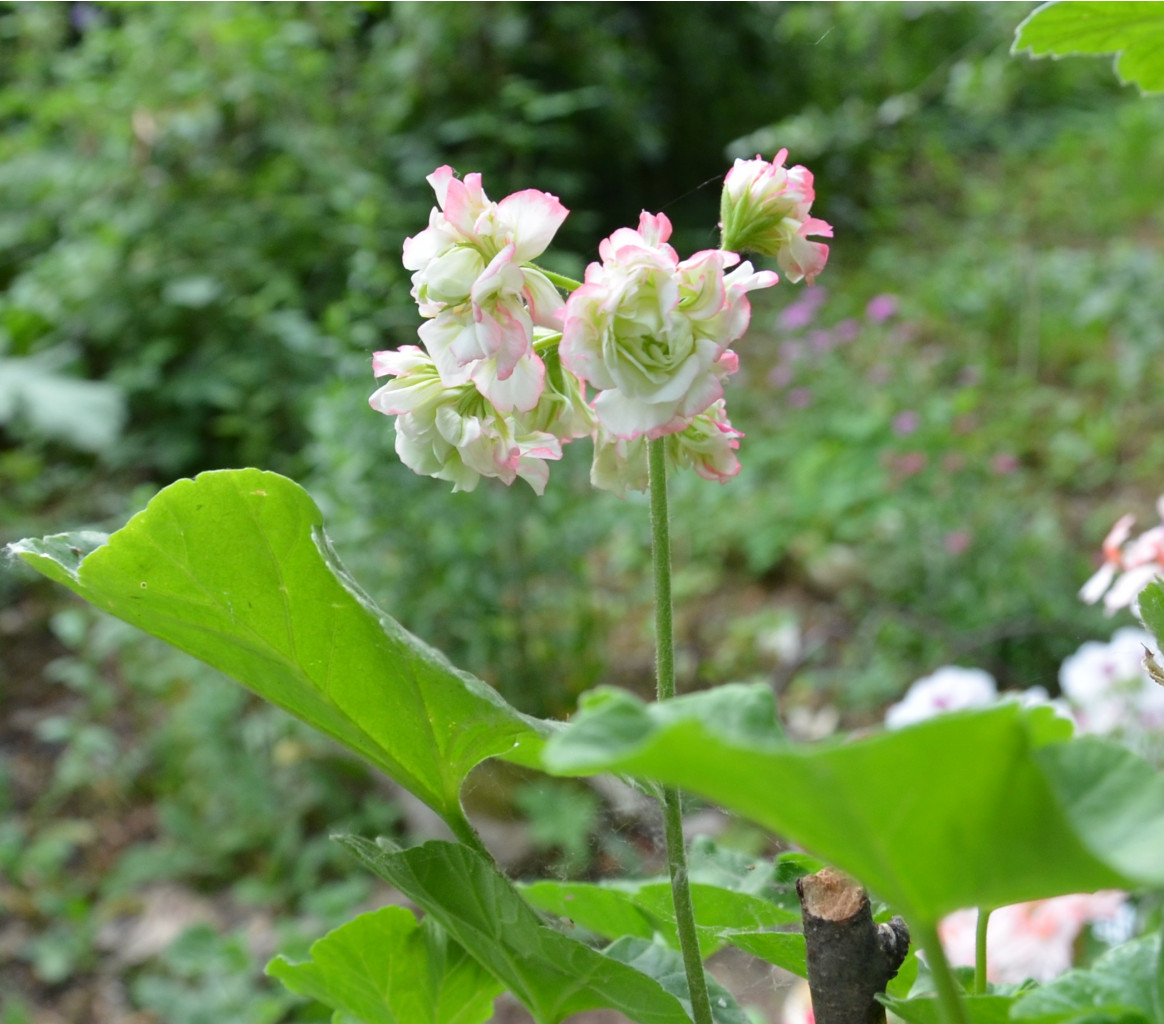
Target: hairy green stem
(949,1001)
(665,687)
(567,284)
(980,951)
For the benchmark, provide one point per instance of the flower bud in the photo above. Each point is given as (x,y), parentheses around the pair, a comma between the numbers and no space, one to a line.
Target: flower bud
(764,209)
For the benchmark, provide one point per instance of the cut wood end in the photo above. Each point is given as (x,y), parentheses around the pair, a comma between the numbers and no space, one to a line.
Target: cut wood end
(831,895)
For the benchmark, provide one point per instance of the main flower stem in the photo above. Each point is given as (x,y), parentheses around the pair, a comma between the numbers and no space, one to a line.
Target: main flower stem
(665,688)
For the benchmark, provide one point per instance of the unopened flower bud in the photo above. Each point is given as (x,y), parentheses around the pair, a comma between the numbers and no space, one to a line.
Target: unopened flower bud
(764,209)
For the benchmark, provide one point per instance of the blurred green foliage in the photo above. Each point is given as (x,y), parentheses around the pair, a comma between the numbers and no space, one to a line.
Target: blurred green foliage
(203,211)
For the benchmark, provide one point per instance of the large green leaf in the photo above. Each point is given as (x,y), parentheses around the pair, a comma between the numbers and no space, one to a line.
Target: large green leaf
(1113,800)
(234,568)
(983,808)
(553,974)
(1125,983)
(1134,31)
(387,968)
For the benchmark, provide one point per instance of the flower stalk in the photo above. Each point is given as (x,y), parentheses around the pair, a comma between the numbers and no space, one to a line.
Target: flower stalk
(980,951)
(665,688)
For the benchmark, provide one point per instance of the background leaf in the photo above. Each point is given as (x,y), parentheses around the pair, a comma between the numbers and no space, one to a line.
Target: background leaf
(666,967)
(784,949)
(1134,31)
(234,568)
(643,909)
(86,414)
(927,1010)
(552,974)
(964,810)
(1124,983)
(387,968)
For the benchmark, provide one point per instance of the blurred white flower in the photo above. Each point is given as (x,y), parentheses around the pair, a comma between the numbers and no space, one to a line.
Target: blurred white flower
(951,688)
(1110,691)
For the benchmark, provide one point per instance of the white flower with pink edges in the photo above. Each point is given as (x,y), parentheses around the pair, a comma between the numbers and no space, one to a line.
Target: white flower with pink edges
(452,432)
(651,333)
(471,275)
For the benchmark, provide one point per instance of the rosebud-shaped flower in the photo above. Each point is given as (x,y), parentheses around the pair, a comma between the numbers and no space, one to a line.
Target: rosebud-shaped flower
(453,432)
(471,275)
(764,208)
(651,333)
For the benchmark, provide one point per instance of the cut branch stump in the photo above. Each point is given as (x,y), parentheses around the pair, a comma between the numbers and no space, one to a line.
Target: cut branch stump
(850,959)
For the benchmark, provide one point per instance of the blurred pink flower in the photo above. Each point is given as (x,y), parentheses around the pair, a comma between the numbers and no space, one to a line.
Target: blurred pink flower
(956,542)
(781,375)
(1127,567)
(822,341)
(881,308)
(910,464)
(797,1005)
(799,314)
(1029,940)
(1004,463)
(847,330)
(906,422)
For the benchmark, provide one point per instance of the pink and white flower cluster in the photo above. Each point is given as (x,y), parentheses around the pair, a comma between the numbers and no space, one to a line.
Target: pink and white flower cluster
(508,373)
(1128,565)
(464,402)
